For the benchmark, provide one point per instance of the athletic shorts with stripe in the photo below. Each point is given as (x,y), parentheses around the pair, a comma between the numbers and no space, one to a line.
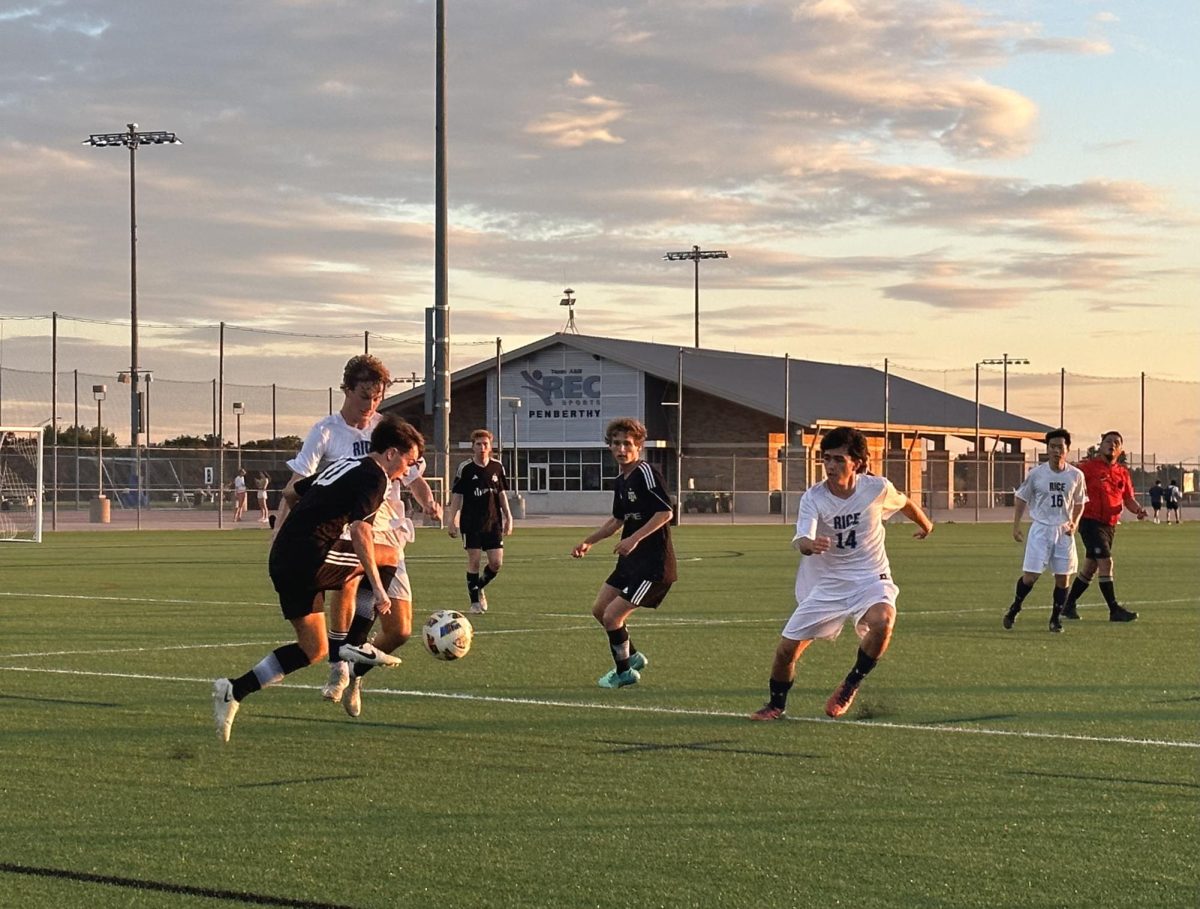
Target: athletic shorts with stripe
(639,591)
(340,565)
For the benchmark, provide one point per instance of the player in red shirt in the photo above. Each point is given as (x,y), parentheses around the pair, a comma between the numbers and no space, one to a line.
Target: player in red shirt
(1109,490)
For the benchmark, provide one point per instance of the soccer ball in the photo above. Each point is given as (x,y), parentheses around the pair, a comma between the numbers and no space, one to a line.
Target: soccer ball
(448,634)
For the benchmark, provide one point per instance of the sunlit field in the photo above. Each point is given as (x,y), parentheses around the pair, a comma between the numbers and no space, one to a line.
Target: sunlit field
(978,767)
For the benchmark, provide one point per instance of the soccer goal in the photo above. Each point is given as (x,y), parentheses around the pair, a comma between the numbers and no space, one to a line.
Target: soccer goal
(21,484)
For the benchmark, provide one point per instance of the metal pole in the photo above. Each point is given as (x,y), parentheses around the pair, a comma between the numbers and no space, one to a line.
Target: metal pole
(499,400)
(977,443)
(1143,427)
(77,428)
(366,342)
(887,413)
(679,440)
(1062,396)
(696,262)
(214,391)
(330,399)
(220,429)
(99,448)
(516,454)
(133,313)
(441,294)
(787,436)
(274,431)
(54,420)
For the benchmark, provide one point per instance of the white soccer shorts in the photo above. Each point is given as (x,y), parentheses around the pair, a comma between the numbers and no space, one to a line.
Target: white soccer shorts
(1047,545)
(825,609)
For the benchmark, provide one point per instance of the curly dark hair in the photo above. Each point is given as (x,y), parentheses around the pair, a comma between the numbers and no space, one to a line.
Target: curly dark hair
(852,440)
(365,368)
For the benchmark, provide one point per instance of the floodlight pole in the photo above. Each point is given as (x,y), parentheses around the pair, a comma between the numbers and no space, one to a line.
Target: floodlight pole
(695,254)
(1005,360)
(131,140)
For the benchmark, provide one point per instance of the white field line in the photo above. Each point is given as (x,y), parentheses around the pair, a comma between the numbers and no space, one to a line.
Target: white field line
(177,602)
(673,711)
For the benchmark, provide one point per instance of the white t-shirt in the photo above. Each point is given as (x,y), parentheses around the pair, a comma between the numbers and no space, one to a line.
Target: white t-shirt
(332,439)
(1051,495)
(855,525)
(239,485)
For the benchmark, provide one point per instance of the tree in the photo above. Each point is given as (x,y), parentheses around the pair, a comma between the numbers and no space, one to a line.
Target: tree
(84,436)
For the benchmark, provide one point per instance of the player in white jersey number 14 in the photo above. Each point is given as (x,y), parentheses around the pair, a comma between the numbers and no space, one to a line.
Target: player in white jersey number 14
(845,572)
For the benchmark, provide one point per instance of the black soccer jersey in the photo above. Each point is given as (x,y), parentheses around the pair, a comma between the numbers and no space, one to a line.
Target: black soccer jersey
(636,499)
(481,489)
(344,492)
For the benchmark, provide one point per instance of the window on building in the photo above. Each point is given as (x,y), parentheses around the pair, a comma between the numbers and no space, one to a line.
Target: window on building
(569,469)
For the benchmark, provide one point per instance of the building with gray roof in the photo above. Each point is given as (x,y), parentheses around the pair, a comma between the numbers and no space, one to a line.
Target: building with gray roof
(745,437)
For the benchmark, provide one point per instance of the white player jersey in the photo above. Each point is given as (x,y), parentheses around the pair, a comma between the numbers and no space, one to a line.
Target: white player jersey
(1053,495)
(855,526)
(332,439)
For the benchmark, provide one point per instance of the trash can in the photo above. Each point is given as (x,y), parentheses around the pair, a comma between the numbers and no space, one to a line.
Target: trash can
(100,511)
(776,501)
(517,504)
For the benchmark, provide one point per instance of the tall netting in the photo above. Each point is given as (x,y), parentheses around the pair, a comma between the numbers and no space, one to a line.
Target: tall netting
(21,484)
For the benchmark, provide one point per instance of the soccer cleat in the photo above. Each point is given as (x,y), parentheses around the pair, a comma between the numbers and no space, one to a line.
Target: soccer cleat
(767,713)
(638,661)
(1055,625)
(841,699)
(352,696)
(480,607)
(1011,616)
(225,708)
(1121,614)
(367,655)
(339,678)
(614,679)
(1070,612)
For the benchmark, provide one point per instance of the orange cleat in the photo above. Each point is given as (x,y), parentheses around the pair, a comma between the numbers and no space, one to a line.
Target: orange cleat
(841,699)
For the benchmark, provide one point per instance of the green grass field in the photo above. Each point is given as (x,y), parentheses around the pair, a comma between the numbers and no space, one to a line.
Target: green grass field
(978,768)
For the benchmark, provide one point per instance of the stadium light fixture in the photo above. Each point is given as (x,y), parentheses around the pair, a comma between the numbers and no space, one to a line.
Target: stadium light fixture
(1005,360)
(132,139)
(695,254)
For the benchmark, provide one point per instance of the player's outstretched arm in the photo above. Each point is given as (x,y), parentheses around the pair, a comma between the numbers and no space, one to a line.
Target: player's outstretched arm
(605,530)
(916,514)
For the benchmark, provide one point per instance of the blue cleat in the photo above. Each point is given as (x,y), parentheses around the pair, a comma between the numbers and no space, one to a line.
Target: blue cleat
(638,661)
(614,679)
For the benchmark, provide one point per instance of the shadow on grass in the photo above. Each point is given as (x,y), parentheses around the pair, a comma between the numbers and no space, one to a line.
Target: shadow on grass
(714,746)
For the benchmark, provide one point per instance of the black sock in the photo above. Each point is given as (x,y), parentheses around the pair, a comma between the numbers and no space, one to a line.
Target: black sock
(1108,592)
(1060,599)
(487,577)
(360,628)
(1022,592)
(1078,586)
(779,693)
(336,638)
(618,642)
(473,586)
(289,657)
(862,665)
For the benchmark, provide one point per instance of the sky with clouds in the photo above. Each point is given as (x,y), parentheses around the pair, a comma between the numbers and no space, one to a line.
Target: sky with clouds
(933,182)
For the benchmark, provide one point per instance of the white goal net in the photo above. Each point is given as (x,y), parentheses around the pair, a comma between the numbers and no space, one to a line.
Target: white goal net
(21,484)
